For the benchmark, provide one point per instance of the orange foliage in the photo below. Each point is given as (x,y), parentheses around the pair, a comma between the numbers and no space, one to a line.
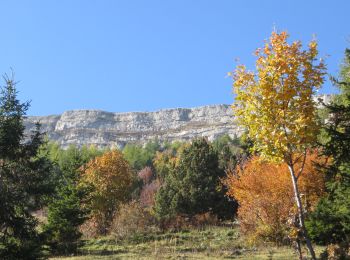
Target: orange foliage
(266,197)
(109,178)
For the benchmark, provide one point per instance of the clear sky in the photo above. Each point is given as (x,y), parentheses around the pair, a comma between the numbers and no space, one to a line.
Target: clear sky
(144,55)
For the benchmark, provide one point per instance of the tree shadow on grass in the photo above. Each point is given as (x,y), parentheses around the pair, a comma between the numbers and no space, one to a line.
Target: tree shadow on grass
(102,252)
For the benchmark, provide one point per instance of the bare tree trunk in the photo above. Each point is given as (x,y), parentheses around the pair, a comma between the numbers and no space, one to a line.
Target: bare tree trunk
(300,212)
(298,248)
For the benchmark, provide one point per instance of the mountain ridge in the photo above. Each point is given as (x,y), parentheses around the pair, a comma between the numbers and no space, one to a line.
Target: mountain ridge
(108,129)
(116,129)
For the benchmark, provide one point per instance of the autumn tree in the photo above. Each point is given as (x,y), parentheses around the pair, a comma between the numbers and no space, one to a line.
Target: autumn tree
(264,193)
(275,104)
(165,161)
(109,178)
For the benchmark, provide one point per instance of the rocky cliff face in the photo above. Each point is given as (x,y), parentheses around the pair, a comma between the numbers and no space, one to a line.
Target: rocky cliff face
(105,129)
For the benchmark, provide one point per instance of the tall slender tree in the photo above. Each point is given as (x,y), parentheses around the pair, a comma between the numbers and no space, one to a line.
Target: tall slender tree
(275,104)
(25,178)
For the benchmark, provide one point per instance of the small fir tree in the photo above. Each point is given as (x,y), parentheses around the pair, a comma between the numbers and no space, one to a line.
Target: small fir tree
(65,212)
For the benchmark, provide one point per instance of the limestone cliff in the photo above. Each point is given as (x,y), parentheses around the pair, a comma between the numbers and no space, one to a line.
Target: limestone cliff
(105,129)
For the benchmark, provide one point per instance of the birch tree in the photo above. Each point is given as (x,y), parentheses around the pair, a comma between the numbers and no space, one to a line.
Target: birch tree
(275,104)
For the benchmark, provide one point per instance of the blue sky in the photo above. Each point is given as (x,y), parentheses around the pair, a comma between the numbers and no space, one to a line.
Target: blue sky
(128,55)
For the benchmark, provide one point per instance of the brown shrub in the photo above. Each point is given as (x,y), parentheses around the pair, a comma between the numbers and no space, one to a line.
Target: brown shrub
(184,221)
(91,228)
(336,252)
(130,219)
(148,193)
(146,175)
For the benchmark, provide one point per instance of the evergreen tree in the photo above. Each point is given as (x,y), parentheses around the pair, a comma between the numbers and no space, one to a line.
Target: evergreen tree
(193,186)
(231,151)
(65,215)
(25,179)
(330,222)
(65,212)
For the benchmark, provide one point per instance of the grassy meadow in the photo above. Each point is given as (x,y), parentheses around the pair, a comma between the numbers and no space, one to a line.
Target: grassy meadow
(206,243)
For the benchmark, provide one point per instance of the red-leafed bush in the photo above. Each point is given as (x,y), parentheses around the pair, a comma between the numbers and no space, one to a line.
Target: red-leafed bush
(148,193)
(146,175)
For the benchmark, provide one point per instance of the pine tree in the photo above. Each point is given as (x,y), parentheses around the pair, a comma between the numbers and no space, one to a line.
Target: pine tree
(193,186)
(25,179)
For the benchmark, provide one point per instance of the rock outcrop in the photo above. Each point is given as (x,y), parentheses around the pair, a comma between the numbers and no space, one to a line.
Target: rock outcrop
(105,129)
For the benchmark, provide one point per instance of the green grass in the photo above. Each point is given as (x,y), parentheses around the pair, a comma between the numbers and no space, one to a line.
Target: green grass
(208,243)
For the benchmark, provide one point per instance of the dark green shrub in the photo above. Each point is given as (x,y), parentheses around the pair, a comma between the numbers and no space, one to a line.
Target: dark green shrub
(193,185)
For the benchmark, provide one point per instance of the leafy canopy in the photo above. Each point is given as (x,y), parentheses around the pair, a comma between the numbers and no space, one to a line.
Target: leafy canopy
(109,178)
(275,103)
